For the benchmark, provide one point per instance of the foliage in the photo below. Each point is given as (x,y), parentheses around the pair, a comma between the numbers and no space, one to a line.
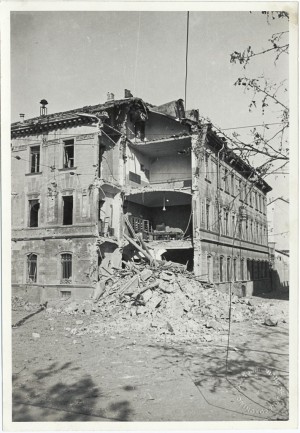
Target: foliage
(270,143)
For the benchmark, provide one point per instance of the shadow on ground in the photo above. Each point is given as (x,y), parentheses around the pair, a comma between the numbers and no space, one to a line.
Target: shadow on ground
(248,380)
(50,394)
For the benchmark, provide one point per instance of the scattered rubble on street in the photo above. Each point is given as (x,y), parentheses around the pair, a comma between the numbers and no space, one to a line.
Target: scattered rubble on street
(163,299)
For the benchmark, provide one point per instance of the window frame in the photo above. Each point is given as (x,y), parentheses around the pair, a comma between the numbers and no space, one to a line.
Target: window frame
(65,158)
(66,273)
(36,167)
(28,262)
(30,207)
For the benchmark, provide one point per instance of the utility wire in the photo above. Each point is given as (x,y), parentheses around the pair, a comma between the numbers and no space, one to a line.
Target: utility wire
(186,56)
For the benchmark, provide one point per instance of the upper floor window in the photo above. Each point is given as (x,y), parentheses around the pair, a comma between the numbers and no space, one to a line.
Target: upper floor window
(68,153)
(232,184)
(35,159)
(207,166)
(208,222)
(32,268)
(68,210)
(34,207)
(226,175)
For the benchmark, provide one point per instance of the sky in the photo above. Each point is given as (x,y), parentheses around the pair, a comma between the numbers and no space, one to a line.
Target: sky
(73,59)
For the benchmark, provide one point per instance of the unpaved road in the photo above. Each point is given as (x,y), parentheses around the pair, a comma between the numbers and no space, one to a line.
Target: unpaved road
(122,377)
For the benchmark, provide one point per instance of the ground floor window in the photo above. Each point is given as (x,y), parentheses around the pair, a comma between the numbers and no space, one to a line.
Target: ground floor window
(66,267)
(32,268)
(228,269)
(221,269)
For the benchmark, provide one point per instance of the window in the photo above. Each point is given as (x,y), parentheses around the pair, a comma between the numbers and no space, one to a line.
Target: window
(228,269)
(240,190)
(234,270)
(226,223)
(66,267)
(32,268)
(34,207)
(221,269)
(255,200)
(242,273)
(249,269)
(226,180)
(68,210)
(68,153)
(208,222)
(209,268)
(233,227)
(207,167)
(250,197)
(202,213)
(232,184)
(35,159)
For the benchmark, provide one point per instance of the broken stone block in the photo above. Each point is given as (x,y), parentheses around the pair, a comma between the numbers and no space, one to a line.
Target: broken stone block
(270,321)
(146,296)
(207,337)
(166,287)
(146,274)
(167,276)
(35,335)
(213,324)
(79,322)
(141,310)
(154,302)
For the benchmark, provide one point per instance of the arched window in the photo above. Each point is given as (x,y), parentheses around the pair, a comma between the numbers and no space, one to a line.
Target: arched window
(242,270)
(229,276)
(66,267)
(234,270)
(249,269)
(32,268)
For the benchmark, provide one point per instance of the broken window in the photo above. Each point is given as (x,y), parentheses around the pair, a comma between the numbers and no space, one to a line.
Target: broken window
(34,206)
(68,210)
(35,159)
(68,153)
(32,268)
(66,267)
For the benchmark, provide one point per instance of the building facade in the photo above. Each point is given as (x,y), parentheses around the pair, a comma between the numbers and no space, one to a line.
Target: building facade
(84,180)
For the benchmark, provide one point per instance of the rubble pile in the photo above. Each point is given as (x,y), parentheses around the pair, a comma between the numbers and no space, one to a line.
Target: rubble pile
(163,300)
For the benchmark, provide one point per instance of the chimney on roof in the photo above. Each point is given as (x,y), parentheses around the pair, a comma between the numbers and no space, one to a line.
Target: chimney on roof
(128,94)
(110,96)
(22,115)
(43,108)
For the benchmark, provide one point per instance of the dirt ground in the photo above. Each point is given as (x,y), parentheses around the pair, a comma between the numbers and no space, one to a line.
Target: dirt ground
(127,376)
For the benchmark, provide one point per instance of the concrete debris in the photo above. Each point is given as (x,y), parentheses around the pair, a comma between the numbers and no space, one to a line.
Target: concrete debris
(270,321)
(160,298)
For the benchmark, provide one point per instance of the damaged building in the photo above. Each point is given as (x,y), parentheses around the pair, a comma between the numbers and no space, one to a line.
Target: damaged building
(124,180)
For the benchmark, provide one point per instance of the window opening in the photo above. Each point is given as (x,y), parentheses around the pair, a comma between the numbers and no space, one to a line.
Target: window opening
(35,159)
(34,206)
(32,268)
(66,266)
(68,210)
(221,269)
(68,153)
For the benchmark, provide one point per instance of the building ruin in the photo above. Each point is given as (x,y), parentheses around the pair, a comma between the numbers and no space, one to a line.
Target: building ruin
(85,181)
